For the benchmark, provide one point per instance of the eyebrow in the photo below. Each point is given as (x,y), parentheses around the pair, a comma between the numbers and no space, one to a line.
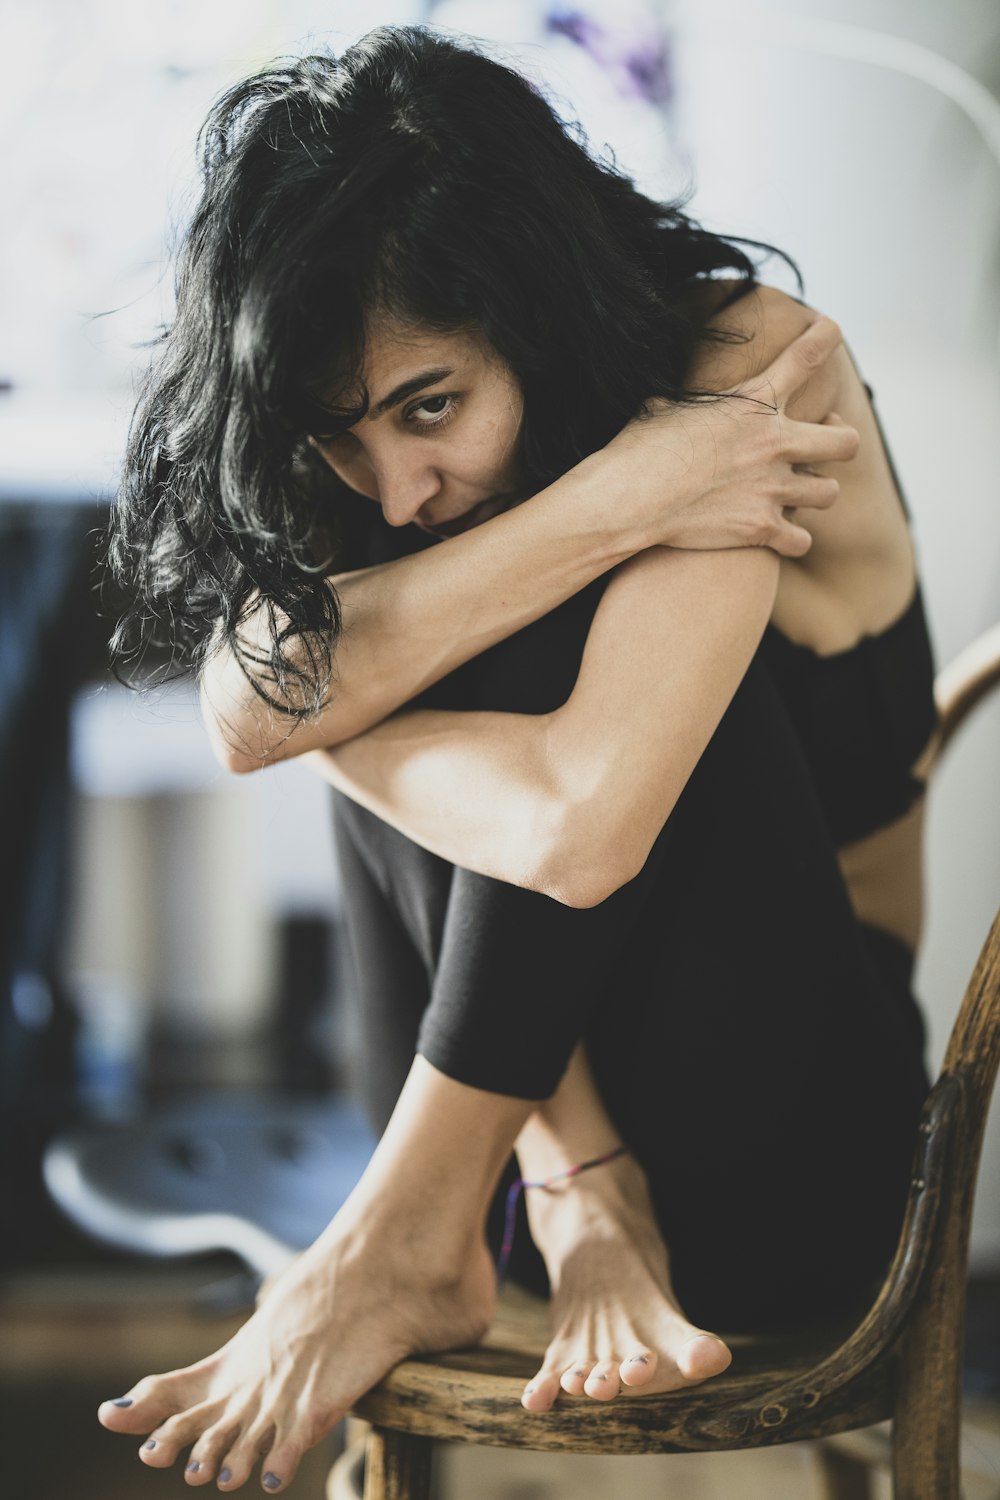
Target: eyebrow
(408,388)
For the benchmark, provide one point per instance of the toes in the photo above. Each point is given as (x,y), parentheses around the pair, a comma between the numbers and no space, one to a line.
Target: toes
(166,1441)
(233,1472)
(279,1466)
(241,1459)
(149,1403)
(540,1393)
(206,1460)
(639,1368)
(703,1356)
(574,1379)
(603,1383)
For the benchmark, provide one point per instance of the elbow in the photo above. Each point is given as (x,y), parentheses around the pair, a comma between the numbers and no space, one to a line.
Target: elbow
(589,882)
(228,755)
(225,737)
(588,863)
(239,765)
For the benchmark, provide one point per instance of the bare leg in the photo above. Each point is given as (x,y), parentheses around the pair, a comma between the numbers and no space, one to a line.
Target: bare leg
(403,1267)
(616,1321)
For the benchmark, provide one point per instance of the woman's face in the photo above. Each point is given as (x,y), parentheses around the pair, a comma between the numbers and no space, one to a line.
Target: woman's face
(440,442)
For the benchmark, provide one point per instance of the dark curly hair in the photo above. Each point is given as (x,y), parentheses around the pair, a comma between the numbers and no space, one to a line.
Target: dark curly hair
(410,176)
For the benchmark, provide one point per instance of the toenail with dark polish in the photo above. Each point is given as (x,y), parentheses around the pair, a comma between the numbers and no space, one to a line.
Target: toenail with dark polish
(272,1481)
(194,1467)
(638,1359)
(150,1444)
(122,1401)
(225,1476)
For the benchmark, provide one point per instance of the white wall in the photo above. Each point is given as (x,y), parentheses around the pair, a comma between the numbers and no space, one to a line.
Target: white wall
(888,197)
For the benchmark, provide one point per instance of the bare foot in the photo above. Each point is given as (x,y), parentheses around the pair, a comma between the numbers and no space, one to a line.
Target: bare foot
(617,1326)
(356,1303)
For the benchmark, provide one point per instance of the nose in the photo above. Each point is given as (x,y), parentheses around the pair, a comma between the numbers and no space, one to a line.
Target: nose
(405,484)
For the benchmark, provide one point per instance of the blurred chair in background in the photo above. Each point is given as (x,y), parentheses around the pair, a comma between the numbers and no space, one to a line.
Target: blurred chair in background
(258,1174)
(50,642)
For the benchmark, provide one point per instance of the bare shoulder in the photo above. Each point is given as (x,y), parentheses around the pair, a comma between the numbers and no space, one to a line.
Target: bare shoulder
(860,573)
(757,326)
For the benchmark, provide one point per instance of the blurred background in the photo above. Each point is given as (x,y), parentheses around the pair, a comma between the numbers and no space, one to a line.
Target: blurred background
(171,940)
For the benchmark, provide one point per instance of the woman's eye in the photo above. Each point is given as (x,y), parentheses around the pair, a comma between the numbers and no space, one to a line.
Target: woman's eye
(430,411)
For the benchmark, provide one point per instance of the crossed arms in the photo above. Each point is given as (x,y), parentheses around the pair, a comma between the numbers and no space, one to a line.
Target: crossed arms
(567,803)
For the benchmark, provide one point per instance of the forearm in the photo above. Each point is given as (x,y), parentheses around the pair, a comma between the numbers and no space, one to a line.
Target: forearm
(409,623)
(481,790)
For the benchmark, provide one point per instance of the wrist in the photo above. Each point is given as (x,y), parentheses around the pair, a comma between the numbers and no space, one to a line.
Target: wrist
(643,493)
(601,502)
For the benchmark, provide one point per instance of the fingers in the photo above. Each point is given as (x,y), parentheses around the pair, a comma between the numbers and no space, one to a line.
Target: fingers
(789,540)
(814,491)
(827,442)
(801,358)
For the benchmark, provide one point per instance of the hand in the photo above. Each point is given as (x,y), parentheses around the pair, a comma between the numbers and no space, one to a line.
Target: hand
(724,473)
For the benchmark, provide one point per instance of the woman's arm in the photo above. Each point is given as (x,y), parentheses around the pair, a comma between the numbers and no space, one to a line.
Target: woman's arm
(410,622)
(706,477)
(570,803)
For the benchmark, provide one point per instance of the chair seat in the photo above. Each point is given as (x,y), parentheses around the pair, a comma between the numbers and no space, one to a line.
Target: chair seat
(474,1395)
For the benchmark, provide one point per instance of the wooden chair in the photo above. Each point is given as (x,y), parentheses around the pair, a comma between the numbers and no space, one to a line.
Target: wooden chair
(902,1360)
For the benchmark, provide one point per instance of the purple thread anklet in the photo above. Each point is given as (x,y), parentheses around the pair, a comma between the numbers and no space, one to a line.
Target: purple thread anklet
(516,1189)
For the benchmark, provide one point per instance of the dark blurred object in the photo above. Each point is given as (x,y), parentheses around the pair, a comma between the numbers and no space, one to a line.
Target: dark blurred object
(255,1173)
(982,1340)
(304,1002)
(50,642)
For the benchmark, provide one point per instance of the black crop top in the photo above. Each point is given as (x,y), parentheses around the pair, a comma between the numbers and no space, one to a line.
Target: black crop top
(864,715)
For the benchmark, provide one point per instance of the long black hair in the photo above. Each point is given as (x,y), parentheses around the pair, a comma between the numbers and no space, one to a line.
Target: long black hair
(410,176)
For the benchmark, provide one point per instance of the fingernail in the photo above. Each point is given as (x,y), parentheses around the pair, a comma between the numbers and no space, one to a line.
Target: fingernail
(225,1476)
(150,1444)
(194,1467)
(272,1481)
(122,1401)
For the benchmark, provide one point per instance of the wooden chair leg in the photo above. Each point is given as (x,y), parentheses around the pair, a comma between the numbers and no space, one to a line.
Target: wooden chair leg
(844,1477)
(397,1465)
(927,1425)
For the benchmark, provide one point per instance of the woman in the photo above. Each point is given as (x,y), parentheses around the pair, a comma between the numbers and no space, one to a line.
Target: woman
(626,756)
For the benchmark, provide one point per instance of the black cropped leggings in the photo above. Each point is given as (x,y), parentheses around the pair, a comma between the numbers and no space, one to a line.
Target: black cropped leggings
(757,1047)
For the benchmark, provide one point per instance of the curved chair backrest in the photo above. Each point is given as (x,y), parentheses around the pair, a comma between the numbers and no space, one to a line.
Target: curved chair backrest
(973,1053)
(928,1395)
(934,1240)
